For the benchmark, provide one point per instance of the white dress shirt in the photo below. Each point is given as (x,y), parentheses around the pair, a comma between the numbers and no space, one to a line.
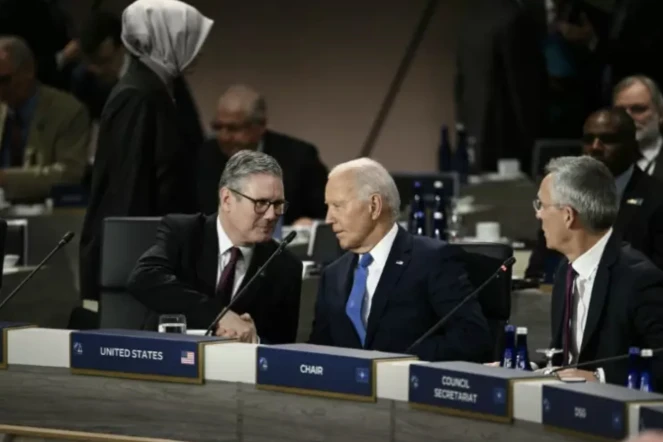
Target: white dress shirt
(585,266)
(649,153)
(380,253)
(224,257)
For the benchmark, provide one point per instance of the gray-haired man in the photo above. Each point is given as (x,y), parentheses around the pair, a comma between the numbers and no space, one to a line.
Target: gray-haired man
(607,296)
(199,263)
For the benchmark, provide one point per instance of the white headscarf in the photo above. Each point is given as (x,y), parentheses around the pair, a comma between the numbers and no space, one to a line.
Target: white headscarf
(168,33)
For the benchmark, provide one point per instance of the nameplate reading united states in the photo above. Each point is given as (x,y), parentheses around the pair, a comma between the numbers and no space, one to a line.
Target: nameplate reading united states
(600,410)
(5,327)
(140,354)
(466,389)
(321,371)
(651,418)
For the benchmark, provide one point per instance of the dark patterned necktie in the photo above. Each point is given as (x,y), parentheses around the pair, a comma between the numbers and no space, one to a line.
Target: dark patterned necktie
(227,281)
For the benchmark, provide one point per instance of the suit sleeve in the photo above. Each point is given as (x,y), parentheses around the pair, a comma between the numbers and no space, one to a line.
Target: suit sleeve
(156,284)
(283,329)
(466,336)
(320,333)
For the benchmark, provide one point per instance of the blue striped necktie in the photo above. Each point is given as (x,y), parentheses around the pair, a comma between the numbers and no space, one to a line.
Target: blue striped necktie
(354,306)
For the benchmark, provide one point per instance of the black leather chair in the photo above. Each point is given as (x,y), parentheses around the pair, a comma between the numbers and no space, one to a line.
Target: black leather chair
(482,261)
(3,238)
(124,240)
(16,242)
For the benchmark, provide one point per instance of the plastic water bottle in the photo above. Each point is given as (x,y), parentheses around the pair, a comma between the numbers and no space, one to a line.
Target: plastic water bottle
(461,156)
(508,357)
(522,355)
(645,369)
(439,224)
(633,378)
(417,211)
(444,150)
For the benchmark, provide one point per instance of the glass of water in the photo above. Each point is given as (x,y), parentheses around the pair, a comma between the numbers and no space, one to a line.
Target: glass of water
(172,324)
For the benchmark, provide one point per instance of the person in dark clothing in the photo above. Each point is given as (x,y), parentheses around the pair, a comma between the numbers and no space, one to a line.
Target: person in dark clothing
(142,166)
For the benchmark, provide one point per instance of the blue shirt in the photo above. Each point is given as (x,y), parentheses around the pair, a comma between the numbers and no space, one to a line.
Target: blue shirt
(26,113)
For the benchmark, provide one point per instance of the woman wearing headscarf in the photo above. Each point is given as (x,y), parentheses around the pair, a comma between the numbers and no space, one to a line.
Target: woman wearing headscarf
(142,167)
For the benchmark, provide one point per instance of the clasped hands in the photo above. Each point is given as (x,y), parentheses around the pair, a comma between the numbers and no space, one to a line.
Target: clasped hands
(240,327)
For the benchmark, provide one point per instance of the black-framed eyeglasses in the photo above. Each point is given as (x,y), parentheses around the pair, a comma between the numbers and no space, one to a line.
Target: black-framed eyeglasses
(261,206)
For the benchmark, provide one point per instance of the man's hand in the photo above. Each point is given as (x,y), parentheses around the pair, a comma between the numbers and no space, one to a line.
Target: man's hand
(238,327)
(574,373)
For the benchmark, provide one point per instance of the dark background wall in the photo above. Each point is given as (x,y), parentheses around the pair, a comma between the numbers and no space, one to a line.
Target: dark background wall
(325,66)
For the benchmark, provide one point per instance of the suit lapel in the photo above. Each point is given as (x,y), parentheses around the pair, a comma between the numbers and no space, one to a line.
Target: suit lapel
(627,206)
(208,263)
(397,262)
(32,154)
(557,304)
(600,289)
(658,170)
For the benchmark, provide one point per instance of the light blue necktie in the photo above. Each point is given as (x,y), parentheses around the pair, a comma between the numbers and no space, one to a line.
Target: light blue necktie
(355,304)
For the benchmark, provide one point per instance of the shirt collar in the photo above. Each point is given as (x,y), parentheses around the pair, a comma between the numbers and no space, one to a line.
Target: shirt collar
(622,181)
(587,263)
(125,65)
(225,243)
(380,252)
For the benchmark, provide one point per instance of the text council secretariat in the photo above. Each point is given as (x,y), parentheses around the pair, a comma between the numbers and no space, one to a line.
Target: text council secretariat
(453,395)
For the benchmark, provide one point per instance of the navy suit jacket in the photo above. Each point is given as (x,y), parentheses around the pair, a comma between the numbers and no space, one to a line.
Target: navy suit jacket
(423,279)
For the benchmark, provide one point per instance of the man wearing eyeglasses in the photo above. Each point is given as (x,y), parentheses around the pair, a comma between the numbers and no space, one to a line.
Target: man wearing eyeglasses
(609,135)
(199,263)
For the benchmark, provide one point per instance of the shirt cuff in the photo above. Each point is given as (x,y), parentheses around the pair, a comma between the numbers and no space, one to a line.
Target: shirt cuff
(600,375)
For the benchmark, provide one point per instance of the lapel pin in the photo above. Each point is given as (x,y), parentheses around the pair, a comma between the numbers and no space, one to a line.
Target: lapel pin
(634,201)
(399,263)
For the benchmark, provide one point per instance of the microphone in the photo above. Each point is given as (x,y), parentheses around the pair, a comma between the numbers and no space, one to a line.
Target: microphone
(597,361)
(287,240)
(501,270)
(63,242)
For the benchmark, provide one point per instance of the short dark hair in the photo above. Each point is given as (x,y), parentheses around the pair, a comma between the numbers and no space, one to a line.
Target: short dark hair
(100,26)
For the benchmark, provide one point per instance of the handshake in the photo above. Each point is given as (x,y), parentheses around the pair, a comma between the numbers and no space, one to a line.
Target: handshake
(240,327)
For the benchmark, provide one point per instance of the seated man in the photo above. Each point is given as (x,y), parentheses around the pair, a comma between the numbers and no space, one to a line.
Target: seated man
(241,123)
(44,132)
(610,137)
(607,296)
(199,263)
(391,286)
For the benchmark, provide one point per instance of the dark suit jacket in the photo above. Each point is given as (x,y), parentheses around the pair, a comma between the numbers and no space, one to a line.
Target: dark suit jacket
(178,276)
(639,222)
(141,167)
(422,281)
(625,310)
(304,175)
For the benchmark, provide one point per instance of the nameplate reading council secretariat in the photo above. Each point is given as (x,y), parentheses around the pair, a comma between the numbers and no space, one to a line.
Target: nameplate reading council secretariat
(4,330)
(140,354)
(317,370)
(466,389)
(600,410)
(651,418)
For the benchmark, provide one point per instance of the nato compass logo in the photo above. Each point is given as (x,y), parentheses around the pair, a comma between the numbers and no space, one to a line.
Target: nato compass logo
(362,375)
(78,348)
(617,420)
(499,395)
(262,363)
(414,381)
(546,405)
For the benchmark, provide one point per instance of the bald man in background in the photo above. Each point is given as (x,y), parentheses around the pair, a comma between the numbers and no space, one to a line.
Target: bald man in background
(241,123)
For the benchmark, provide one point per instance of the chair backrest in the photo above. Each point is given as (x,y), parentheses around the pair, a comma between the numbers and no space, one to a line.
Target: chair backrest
(16,241)
(547,149)
(3,237)
(482,261)
(323,247)
(124,240)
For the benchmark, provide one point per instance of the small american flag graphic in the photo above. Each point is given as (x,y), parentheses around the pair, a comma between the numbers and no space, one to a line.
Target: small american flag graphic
(188,358)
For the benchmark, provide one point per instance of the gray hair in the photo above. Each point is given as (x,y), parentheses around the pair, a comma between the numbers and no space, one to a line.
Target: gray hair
(654,91)
(246,99)
(19,52)
(586,185)
(370,178)
(246,163)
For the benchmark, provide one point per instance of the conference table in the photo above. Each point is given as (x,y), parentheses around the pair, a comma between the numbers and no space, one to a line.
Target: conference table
(42,387)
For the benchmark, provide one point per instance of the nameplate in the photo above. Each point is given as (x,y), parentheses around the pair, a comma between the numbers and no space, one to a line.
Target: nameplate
(334,372)
(140,354)
(651,418)
(591,408)
(466,389)
(4,329)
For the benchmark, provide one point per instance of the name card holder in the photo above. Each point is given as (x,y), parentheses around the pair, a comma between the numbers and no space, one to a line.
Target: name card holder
(466,389)
(651,418)
(591,408)
(5,327)
(332,372)
(137,354)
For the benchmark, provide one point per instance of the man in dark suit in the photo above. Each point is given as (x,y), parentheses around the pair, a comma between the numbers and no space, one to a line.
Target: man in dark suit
(607,296)
(610,137)
(199,263)
(391,286)
(240,123)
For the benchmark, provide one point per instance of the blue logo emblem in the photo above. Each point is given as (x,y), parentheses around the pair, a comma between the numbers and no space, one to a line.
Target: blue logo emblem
(362,375)
(414,381)
(262,363)
(499,395)
(78,348)
(617,420)
(546,405)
